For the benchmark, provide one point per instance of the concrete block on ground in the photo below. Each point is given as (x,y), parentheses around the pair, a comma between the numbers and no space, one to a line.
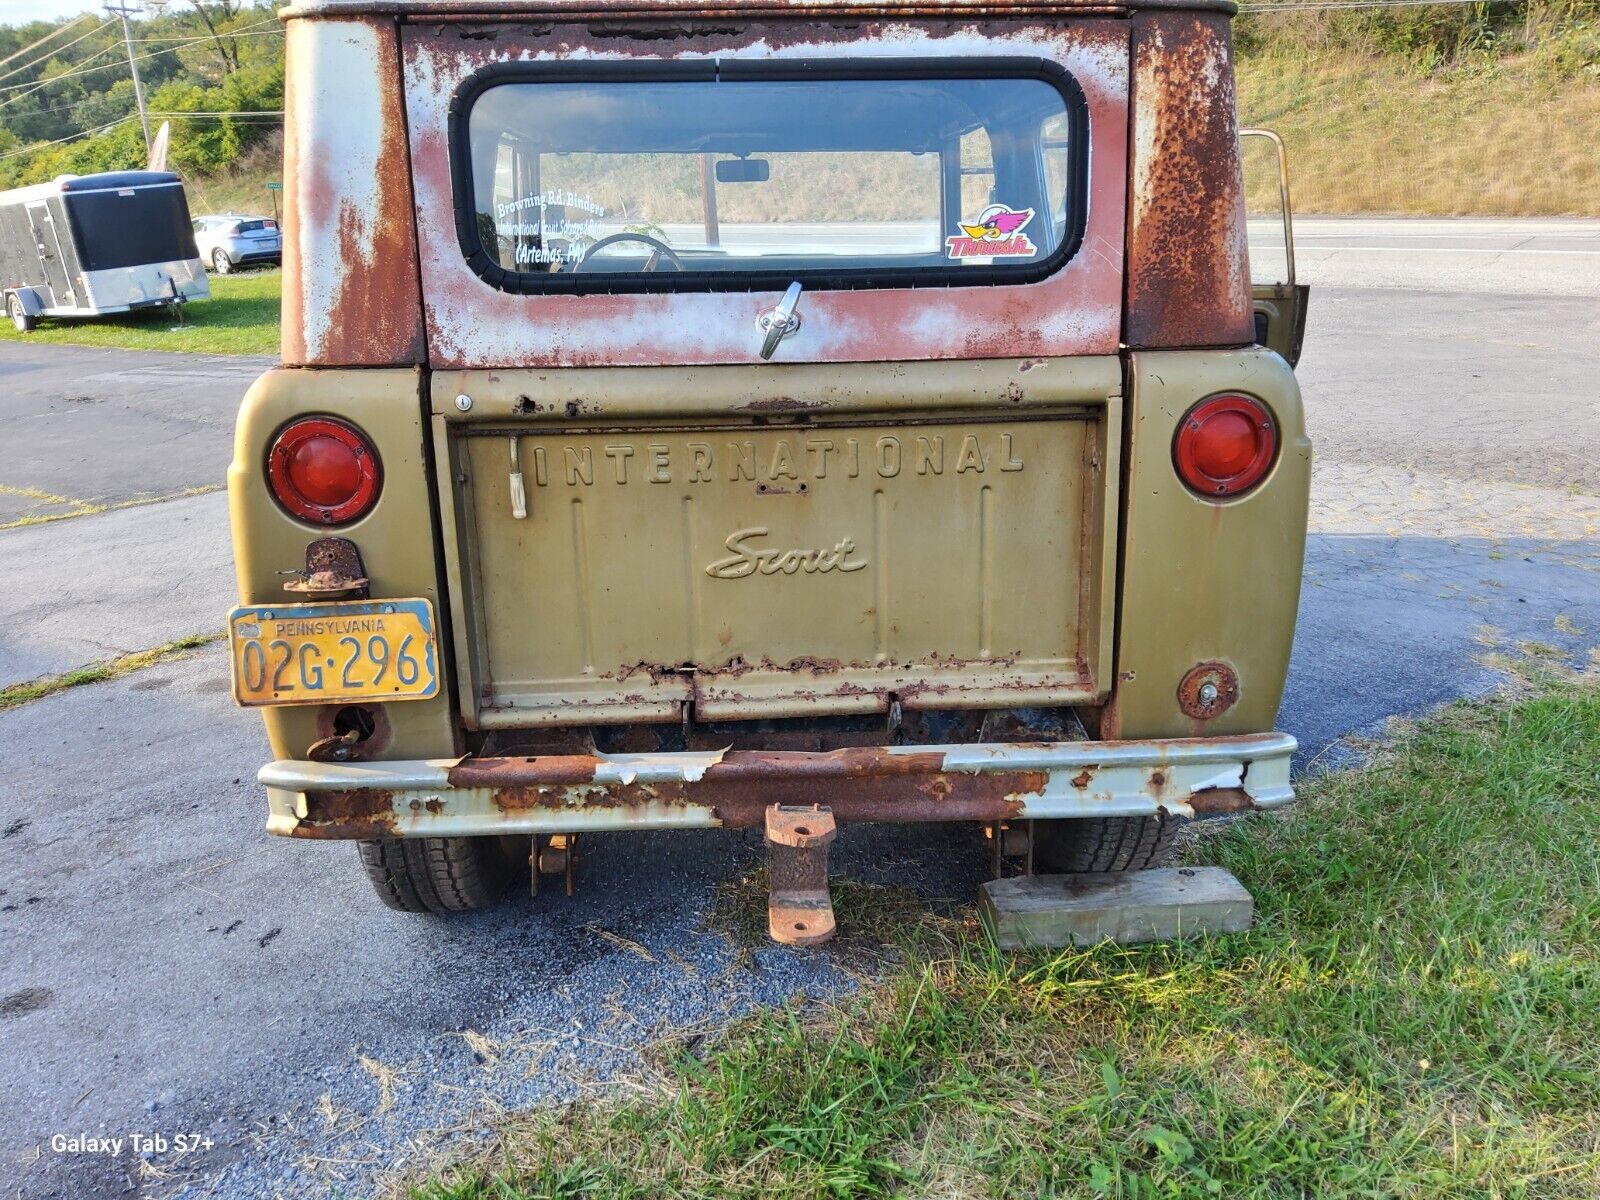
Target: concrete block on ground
(1132,906)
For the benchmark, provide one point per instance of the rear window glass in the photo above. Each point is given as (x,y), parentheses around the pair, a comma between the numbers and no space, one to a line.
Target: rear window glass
(737,179)
(253,226)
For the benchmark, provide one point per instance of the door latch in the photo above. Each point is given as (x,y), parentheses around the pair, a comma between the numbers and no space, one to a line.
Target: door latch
(778,323)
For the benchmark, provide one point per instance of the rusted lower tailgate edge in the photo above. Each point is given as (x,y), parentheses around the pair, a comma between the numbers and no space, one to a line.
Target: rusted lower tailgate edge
(985,782)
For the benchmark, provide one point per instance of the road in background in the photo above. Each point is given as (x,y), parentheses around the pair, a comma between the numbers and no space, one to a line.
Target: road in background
(1553,256)
(165,967)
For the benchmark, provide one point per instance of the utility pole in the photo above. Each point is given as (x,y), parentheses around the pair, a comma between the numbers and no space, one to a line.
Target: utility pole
(123,11)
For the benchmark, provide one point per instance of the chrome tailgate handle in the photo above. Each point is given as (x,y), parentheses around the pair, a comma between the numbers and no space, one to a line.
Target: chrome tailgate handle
(777,323)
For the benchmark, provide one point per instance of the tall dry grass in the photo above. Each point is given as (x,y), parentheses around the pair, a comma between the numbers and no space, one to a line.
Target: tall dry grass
(1368,135)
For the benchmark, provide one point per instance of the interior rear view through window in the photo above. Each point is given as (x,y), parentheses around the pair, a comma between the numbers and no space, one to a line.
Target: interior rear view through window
(725,177)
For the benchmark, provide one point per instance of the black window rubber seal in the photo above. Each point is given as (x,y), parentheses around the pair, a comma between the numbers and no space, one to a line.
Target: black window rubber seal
(773,69)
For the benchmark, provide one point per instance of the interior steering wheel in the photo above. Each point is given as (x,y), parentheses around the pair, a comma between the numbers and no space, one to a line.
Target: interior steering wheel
(658,249)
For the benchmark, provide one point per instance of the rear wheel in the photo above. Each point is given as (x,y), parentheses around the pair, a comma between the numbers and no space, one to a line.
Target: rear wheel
(1102,844)
(439,875)
(24,321)
(221,262)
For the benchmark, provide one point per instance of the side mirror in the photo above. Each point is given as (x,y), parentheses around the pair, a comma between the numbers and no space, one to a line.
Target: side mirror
(743,170)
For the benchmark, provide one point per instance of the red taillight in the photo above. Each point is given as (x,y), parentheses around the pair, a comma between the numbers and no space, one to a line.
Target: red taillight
(323,471)
(1225,445)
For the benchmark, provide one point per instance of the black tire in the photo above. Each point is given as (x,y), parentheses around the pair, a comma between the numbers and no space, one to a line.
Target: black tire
(438,875)
(221,263)
(24,322)
(1103,844)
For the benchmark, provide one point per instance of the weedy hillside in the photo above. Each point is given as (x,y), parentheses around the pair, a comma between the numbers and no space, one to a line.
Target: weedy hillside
(1488,109)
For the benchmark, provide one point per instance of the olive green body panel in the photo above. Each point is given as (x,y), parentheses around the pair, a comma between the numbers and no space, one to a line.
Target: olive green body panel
(1206,581)
(779,542)
(1200,581)
(396,537)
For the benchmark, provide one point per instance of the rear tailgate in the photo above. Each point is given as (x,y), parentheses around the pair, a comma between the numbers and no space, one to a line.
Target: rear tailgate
(784,541)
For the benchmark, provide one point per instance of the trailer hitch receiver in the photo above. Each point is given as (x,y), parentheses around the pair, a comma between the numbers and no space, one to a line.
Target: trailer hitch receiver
(799,909)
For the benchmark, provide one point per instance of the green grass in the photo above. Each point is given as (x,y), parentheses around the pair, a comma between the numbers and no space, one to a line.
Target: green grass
(18,694)
(240,318)
(1415,1014)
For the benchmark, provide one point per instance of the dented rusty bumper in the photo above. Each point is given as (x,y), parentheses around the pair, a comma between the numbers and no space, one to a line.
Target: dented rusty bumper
(983,782)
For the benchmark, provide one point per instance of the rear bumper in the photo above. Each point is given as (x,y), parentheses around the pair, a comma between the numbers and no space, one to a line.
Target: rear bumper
(982,782)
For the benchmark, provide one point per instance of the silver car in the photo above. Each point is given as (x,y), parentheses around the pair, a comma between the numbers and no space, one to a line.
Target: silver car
(231,241)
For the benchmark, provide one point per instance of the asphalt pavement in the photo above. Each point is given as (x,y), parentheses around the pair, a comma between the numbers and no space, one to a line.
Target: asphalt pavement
(1553,256)
(84,428)
(165,968)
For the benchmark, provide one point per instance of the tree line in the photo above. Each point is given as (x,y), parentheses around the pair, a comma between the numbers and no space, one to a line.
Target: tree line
(67,101)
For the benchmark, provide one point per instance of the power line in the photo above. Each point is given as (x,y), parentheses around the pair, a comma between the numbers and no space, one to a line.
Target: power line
(53,53)
(54,33)
(254,112)
(61,108)
(70,137)
(176,41)
(69,74)
(243,31)
(81,70)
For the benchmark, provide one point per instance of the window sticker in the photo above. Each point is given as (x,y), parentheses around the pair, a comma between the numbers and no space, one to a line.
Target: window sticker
(563,225)
(997,233)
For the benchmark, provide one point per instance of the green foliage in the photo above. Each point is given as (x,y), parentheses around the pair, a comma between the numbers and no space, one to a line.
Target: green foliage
(1432,37)
(86,86)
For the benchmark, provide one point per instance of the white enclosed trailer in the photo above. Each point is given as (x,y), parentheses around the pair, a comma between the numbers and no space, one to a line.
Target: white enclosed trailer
(90,245)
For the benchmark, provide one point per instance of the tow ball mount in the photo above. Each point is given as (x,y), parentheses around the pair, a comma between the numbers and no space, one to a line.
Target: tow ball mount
(799,909)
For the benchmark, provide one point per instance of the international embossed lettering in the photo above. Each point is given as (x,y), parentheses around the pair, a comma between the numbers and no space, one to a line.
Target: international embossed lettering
(751,560)
(785,460)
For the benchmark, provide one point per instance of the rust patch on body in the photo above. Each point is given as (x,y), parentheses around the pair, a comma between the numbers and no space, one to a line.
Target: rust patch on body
(352,814)
(860,784)
(1218,801)
(366,241)
(1207,690)
(1188,264)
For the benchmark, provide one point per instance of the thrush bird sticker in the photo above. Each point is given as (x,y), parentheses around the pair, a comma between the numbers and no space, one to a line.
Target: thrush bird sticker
(997,233)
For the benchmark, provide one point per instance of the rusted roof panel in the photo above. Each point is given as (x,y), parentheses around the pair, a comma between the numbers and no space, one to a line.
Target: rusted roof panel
(350,294)
(1188,261)
(580,9)
(1077,310)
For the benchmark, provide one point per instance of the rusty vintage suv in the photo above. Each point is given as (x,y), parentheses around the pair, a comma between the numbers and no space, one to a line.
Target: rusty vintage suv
(690,414)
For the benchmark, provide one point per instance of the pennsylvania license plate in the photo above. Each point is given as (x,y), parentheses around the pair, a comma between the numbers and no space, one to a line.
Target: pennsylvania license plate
(335,652)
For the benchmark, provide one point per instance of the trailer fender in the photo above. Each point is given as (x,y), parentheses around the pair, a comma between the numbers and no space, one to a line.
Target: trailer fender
(21,306)
(29,299)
